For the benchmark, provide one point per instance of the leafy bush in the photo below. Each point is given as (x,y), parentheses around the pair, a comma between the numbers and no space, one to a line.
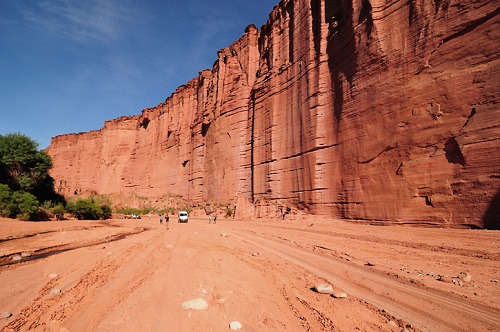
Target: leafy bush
(88,209)
(27,205)
(58,210)
(106,211)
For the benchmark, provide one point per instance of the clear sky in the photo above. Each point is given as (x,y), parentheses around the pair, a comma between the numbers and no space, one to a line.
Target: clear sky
(66,66)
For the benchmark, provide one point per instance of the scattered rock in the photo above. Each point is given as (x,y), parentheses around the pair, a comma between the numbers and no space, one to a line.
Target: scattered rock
(224,234)
(235,325)
(465,276)
(7,315)
(339,295)
(56,291)
(16,258)
(392,323)
(324,288)
(197,304)
(255,254)
(444,279)
(369,264)
(25,254)
(495,280)
(53,275)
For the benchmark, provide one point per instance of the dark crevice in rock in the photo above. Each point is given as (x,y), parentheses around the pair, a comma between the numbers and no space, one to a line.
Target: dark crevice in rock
(366,16)
(399,171)
(204,129)
(144,123)
(291,26)
(389,148)
(428,201)
(472,113)
(453,153)
(472,25)
(316,25)
(491,219)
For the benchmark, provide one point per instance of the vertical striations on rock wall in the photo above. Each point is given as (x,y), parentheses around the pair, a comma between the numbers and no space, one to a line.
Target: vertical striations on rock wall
(358,109)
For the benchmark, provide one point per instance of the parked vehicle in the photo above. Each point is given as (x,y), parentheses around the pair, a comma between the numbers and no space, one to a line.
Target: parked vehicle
(183,216)
(135,216)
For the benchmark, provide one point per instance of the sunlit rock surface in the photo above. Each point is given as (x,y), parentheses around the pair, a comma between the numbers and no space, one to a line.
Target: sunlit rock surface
(369,110)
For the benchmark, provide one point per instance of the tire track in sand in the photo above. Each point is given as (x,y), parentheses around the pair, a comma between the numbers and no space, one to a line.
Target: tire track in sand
(104,286)
(423,307)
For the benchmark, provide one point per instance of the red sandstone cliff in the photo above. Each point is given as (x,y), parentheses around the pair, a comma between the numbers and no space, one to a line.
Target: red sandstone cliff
(364,109)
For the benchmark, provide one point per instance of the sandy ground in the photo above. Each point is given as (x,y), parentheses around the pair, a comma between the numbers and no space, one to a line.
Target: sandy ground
(135,275)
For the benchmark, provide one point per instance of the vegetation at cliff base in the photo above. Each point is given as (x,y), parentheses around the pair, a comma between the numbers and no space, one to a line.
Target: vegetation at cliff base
(27,189)
(88,209)
(24,178)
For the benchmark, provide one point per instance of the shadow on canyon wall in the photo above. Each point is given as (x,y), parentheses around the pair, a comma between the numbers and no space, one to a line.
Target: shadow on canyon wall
(491,219)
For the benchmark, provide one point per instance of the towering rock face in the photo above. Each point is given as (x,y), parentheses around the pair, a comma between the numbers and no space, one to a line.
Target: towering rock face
(360,109)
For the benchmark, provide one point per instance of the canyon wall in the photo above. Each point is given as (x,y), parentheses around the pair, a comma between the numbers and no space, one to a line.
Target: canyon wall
(362,109)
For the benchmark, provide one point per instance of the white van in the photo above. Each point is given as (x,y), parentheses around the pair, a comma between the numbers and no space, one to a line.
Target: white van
(183,216)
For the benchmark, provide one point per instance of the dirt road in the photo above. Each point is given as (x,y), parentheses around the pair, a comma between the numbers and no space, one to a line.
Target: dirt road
(135,275)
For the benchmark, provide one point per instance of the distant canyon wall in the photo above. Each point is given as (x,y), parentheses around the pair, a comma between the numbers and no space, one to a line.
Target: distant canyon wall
(362,109)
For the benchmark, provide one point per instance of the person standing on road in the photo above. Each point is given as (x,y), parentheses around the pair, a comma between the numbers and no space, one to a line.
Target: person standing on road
(215,219)
(167,219)
(161,219)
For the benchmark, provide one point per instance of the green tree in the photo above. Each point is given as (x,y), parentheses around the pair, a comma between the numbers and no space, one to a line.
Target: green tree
(6,205)
(24,170)
(27,205)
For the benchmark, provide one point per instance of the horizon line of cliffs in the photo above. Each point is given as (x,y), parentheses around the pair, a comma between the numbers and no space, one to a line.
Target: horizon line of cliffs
(362,109)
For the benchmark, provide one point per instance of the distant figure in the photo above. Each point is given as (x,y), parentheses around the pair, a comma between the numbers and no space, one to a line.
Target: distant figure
(167,219)
(215,219)
(161,219)
(149,216)
(209,221)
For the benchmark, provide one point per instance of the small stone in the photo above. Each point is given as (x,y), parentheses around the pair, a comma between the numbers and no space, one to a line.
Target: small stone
(197,304)
(56,291)
(323,288)
(25,254)
(392,323)
(255,254)
(235,325)
(369,264)
(465,276)
(444,279)
(224,234)
(339,295)
(53,275)
(7,315)
(16,258)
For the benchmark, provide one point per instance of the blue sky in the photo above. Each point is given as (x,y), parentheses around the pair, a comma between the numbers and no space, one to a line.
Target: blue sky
(66,66)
